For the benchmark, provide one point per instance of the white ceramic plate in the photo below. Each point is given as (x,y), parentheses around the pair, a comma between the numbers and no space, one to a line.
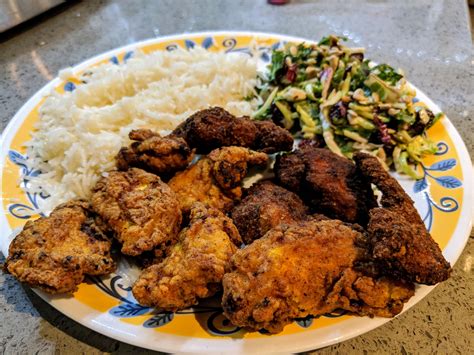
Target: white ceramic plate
(443,197)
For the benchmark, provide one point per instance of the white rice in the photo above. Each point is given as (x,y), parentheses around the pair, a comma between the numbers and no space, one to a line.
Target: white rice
(80,132)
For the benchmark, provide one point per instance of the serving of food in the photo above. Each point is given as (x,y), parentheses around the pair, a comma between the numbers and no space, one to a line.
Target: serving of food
(232,192)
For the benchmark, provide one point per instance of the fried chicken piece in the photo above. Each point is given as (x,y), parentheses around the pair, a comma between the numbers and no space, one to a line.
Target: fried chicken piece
(55,253)
(162,156)
(290,171)
(306,268)
(196,265)
(215,179)
(214,127)
(271,138)
(265,206)
(327,182)
(405,250)
(400,243)
(230,164)
(394,197)
(197,183)
(142,210)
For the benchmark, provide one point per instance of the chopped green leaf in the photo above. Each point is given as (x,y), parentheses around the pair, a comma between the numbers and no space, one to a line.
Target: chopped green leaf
(387,73)
(278,62)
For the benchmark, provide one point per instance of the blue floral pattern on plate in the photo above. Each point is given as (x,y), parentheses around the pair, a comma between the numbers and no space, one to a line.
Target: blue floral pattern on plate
(21,210)
(446,204)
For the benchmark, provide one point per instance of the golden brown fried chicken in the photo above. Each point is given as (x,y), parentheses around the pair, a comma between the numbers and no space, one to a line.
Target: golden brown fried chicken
(399,241)
(215,127)
(55,253)
(162,156)
(196,265)
(141,209)
(215,179)
(327,182)
(265,206)
(197,183)
(306,268)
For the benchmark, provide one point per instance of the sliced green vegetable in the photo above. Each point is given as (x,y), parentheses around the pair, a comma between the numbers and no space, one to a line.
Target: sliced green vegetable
(286,112)
(346,85)
(266,105)
(355,120)
(420,147)
(338,75)
(407,168)
(360,73)
(328,136)
(354,136)
(333,99)
(437,117)
(307,122)
(291,94)
(405,117)
(386,92)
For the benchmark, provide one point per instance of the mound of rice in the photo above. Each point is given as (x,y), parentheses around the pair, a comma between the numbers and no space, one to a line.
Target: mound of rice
(80,132)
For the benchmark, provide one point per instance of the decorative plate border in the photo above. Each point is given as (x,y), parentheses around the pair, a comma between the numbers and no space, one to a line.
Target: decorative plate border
(445,204)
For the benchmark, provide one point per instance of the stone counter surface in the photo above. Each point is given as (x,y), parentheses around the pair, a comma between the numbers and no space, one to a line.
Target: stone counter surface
(429,39)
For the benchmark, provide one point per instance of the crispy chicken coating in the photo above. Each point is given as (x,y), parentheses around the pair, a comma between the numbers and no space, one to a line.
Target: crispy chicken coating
(197,183)
(196,265)
(265,206)
(271,138)
(302,269)
(405,250)
(230,164)
(141,209)
(214,127)
(394,197)
(327,182)
(55,253)
(399,241)
(162,156)
(215,179)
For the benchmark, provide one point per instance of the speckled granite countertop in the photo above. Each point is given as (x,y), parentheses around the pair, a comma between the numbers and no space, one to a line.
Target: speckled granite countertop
(430,39)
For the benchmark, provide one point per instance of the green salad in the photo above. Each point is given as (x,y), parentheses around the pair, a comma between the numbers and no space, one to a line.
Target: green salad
(329,93)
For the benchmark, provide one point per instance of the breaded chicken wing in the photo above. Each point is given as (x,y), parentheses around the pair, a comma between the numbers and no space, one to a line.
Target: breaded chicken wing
(327,182)
(162,156)
(215,179)
(196,265)
(142,210)
(55,253)
(399,241)
(214,127)
(306,268)
(265,206)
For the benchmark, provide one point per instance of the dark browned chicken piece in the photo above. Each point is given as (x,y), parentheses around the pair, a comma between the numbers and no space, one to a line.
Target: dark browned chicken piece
(162,156)
(215,179)
(327,182)
(306,268)
(196,265)
(142,210)
(55,253)
(265,206)
(398,238)
(215,127)
(271,138)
